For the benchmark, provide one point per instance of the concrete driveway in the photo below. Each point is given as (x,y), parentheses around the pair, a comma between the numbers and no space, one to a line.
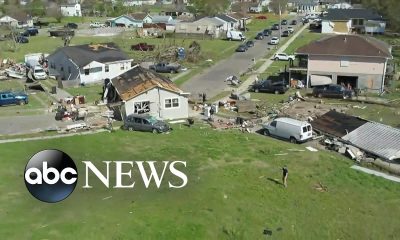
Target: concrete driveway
(212,82)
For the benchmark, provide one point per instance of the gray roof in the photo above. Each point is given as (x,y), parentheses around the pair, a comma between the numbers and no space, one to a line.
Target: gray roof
(226,18)
(82,55)
(161,19)
(347,14)
(210,20)
(376,138)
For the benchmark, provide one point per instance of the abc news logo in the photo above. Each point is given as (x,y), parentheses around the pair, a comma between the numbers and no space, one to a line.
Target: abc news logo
(51,175)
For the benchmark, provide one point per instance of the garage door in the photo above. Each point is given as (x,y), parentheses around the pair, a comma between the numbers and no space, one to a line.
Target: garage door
(317,80)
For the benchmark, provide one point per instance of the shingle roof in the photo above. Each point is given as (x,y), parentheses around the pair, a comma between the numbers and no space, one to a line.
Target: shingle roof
(347,45)
(139,80)
(84,54)
(347,14)
(138,16)
(376,138)
(226,18)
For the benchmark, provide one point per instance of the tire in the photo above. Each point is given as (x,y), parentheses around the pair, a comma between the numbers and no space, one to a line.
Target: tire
(130,129)
(21,103)
(276,59)
(266,132)
(276,92)
(319,95)
(256,90)
(293,140)
(172,71)
(155,131)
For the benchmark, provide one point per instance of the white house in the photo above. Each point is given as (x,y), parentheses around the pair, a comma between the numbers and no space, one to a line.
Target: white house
(124,21)
(71,10)
(142,91)
(85,64)
(149,2)
(343,5)
(18,21)
(8,21)
(229,22)
(132,3)
(143,17)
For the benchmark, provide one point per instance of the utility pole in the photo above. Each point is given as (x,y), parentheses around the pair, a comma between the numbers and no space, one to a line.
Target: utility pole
(280,21)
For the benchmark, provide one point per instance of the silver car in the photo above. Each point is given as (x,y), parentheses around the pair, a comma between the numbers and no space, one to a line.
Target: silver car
(146,123)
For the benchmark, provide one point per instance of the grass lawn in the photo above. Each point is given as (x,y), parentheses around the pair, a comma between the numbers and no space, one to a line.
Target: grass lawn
(91,92)
(233,192)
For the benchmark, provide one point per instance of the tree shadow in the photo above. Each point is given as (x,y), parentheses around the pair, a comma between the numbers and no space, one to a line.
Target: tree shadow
(274,181)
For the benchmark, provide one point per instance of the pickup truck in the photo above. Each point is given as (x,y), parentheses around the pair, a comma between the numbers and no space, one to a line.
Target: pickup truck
(142,47)
(11,98)
(165,68)
(283,57)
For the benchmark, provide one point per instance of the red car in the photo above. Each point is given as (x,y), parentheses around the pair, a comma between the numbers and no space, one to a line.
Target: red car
(142,47)
(261,17)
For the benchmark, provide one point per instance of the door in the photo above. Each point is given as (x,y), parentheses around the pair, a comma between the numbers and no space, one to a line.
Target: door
(137,124)
(272,128)
(147,125)
(7,99)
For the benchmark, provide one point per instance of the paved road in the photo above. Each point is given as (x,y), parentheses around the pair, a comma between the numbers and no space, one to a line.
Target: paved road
(212,82)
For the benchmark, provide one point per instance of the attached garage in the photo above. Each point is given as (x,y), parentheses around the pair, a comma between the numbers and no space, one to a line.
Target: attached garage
(318,80)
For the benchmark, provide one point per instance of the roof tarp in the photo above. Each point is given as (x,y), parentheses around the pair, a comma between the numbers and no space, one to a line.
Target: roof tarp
(318,80)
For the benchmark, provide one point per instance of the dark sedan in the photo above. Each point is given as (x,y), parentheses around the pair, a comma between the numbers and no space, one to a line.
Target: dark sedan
(270,87)
(294,22)
(285,34)
(71,26)
(21,39)
(249,44)
(275,26)
(332,91)
(267,32)
(260,36)
(284,22)
(241,48)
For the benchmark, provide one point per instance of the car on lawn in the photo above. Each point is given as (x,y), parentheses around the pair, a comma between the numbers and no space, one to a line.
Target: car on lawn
(166,68)
(290,29)
(283,57)
(31,32)
(285,33)
(284,22)
(71,26)
(259,36)
(294,22)
(269,86)
(21,39)
(250,44)
(274,41)
(241,48)
(145,123)
(262,17)
(13,98)
(289,129)
(332,91)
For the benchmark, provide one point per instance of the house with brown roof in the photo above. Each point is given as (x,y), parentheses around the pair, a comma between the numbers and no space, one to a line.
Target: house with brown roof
(358,60)
(142,91)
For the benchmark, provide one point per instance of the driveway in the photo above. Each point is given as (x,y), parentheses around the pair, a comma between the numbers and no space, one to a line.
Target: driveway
(212,82)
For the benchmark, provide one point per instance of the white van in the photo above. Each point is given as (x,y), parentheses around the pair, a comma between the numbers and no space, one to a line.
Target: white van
(288,128)
(235,35)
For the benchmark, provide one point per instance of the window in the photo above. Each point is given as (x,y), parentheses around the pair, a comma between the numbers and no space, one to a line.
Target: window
(172,103)
(273,124)
(146,122)
(141,107)
(122,66)
(107,68)
(62,69)
(87,71)
(96,69)
(138,120)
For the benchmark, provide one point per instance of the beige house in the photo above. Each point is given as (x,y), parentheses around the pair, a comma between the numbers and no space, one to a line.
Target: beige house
(206,27)
(357,60)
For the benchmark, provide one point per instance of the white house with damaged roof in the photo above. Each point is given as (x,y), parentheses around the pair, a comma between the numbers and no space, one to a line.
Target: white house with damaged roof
(142,91)
(229,22)
(89,63)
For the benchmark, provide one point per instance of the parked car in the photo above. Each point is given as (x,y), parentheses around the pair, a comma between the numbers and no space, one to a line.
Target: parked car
(241,48)
(96,25)
(290,29)
(290,129)
(274,41)
(275,26)
(32,31)
(39,73)
(146,123)
(306,20)
(294,22)
(71,25)
(283,57)
(166,68)
(285,33)
(259,36)
(267,32)
(250,44)
(284,22)
(269,87)
(235,35)
(332,91)
(12,98)
(21,39)
(143,47)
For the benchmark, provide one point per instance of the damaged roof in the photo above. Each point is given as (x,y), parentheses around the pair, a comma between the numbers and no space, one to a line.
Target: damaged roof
(139,80)
(352,13)
(82,55)
(347,45)
(337,124)
(376,138)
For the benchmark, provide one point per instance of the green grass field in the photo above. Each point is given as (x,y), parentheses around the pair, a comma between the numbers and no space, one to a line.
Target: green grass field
(232,192)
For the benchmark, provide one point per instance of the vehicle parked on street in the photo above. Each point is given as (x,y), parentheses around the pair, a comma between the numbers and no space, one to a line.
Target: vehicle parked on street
(71,26)
(290,129)
(31,32)
(250,44)
(235,35)
(332,91)
(241,48)
(267,32)
(283,57)
(146,123)
(285,33)
(306,20)
(284,22)
(13,98)
(269,87)
(294,22)
(274,41)
(259,36)
(290,29)
(143,47)
(166,68)
(275,26)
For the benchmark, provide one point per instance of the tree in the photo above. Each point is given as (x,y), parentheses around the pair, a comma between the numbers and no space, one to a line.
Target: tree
(55,12)
(389,9)
(210,7)
(37,8)
(276,4)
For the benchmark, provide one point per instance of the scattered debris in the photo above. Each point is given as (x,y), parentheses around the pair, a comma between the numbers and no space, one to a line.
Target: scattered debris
(320,187)
(311,149)
(107,198)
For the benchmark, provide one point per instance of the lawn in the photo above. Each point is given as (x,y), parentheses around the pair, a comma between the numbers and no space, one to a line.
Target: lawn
(233,191)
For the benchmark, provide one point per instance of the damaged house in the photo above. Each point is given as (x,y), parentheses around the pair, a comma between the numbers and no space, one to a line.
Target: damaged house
(88,63)
(142,91)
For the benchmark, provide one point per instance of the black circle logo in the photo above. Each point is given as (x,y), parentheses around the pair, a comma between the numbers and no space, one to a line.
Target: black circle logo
(51,176)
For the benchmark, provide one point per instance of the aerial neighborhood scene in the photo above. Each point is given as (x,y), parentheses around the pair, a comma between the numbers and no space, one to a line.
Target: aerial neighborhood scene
(199,119)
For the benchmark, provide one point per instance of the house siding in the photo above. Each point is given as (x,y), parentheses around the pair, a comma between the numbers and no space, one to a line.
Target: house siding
(115,69)
(127,22)
(156,97)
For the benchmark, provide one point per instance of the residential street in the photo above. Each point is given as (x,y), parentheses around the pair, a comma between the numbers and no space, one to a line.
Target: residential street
(211,81)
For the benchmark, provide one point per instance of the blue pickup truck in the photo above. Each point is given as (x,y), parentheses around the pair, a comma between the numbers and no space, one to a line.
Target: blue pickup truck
(12,98)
